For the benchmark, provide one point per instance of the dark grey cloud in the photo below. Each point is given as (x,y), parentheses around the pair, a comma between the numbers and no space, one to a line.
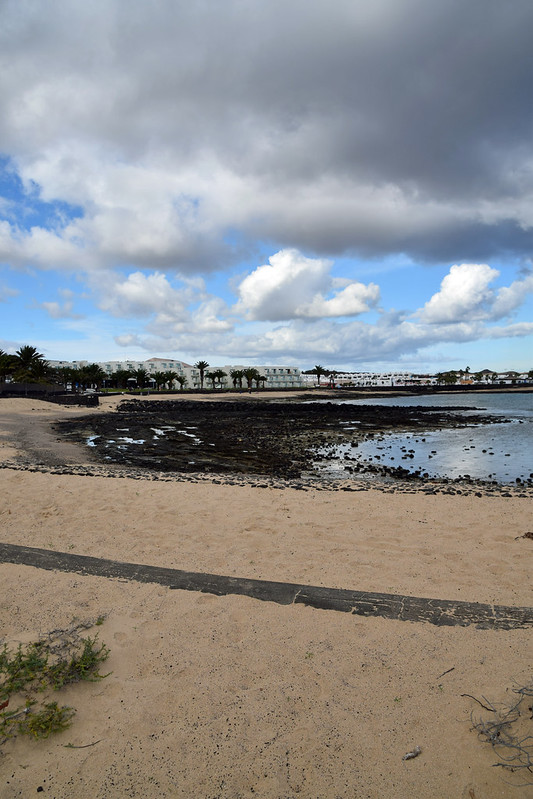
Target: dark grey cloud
(339,126)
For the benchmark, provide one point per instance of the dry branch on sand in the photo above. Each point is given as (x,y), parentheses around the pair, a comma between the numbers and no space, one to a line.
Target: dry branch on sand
(509,730)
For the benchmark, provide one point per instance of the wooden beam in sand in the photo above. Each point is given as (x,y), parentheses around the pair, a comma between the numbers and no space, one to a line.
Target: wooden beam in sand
(441,612)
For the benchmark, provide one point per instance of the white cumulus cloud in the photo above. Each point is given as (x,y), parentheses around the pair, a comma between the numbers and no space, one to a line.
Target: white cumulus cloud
(511,297)
(464,295)
(141,295)
(354,299)
(292,286)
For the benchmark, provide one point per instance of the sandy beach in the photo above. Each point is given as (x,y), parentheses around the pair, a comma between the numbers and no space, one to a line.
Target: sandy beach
(226,696)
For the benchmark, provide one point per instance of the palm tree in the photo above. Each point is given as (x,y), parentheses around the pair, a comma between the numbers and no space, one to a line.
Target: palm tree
(237,376)
(211,376)
(201,366)
(250,374)
(170,377)
(140,376)
(27,356)
(121,377)
(76,377)
(160,379)
(79,376)
(63,375)
(30,365)
(7,365)
(219,375)
(182,380)
(319,371)
(92,375)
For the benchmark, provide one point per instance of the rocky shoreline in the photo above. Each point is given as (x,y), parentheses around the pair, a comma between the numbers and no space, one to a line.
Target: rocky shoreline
(456,487)
(260,443)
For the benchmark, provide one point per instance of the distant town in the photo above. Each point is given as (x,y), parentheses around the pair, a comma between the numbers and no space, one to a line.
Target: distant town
(27,365)
(202,375)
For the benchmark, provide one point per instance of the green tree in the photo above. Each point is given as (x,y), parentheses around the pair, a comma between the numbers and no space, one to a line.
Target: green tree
(219,375)
(319,371)
(7,365)
(237,376)
(82,380)
(30,365)
(76,377)
(120,377)
(250,374)
(141,376)
(201,366)
(92,375)
(63,375)
(448,378)
(170,378)
(258,378)
(182,380)
(160,379)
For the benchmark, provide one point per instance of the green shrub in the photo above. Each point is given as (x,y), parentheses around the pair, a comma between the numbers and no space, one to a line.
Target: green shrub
(61,659)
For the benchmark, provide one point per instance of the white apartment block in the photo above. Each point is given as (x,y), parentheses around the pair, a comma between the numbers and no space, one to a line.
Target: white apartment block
(275,376)
(370,379)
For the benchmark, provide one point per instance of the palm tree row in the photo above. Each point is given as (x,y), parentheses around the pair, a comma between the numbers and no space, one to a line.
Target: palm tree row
(251,375)
(27,365)
(83,377)
(216,377)
(30,366)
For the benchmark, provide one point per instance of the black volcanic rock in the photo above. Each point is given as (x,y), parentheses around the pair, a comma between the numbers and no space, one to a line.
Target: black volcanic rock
(281,439)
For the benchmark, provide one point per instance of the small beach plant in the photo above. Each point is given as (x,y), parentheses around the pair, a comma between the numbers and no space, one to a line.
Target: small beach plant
(63,658)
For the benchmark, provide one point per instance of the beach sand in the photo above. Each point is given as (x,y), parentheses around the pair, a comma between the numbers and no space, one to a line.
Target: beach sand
(226,696)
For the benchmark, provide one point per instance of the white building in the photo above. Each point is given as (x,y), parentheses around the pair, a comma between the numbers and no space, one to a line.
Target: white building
(275,376)
(370,379)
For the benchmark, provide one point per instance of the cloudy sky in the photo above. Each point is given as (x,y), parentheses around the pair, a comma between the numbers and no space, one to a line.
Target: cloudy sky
(340,182)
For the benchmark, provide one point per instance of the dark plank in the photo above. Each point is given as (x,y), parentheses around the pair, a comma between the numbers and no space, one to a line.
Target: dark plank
(441,612)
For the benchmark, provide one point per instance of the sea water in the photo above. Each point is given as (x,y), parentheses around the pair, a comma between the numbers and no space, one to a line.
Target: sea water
(502,451)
